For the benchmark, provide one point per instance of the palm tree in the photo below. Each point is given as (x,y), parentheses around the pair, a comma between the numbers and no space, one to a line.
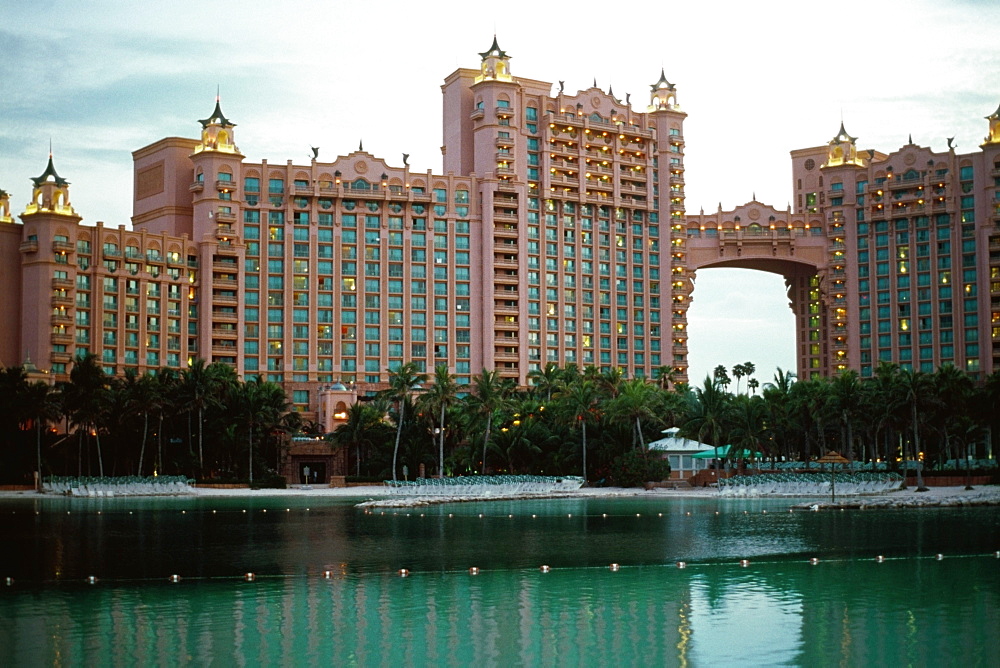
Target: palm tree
(915,386)
(579,400)
(86,396)
(40,406)
(402,381)
(198,387)
(488,398)
(546,380)
(721,376)
(665,376)
(847,401)
(708,413)
(636,401)
(358,431)
(441,395)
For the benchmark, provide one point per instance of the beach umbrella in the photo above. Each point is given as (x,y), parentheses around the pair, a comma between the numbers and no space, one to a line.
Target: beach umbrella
(833,457)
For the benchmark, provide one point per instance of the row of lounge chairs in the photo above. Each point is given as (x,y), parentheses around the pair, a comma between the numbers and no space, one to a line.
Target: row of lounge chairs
(92,486)
(484,485)
(808,484)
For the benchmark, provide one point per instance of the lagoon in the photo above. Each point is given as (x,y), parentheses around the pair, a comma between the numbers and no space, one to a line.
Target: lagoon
(327,589)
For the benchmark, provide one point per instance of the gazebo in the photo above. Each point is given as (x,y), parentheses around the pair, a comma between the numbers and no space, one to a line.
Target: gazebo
(681,453)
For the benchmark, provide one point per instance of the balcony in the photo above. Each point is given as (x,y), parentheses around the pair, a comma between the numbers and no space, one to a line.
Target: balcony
(505,216)
(62,319)
(505,247)
(62,300)
(506,185)
(224,316)
(502,324)
(505,231)
(62,283)
(225,217)
(225,299)
(220,333)
(302,190)
(63,247)
(506,356)
(477,114)
(61,357)
(504,263)
(503,293)
(197,186)
(29,246)
(506,340)
(219,282)
(225,186)
(62,338)
(505,309)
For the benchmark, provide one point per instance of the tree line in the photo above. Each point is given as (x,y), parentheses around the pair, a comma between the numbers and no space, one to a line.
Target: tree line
(204,421)
(201,422)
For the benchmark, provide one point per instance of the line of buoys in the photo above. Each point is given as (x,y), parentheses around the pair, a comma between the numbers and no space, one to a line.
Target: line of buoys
(328,573)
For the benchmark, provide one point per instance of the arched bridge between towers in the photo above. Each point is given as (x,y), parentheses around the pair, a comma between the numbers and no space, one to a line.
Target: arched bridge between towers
(803,248)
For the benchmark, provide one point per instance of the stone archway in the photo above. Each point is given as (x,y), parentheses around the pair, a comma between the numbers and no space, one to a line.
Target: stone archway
(802,249)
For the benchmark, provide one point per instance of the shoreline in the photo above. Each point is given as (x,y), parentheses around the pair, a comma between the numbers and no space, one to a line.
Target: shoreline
(378,496)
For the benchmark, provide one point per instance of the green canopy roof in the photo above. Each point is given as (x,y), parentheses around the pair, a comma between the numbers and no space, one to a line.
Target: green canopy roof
(722,452)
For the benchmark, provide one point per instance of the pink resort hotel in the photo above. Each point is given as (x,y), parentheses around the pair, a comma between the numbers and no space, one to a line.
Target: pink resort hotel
(556,232)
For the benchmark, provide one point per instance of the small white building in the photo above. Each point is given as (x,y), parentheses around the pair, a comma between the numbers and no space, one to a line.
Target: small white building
(679,452)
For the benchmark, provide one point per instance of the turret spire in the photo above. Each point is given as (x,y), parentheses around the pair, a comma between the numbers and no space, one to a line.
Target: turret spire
(495,64)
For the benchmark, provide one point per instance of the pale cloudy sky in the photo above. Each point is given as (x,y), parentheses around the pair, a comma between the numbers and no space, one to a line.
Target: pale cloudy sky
(757,79)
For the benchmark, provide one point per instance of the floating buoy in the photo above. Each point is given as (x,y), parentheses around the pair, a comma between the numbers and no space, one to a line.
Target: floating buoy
(939,556)
(213,512)
(997,554)
(510,516)
(474,571)
(288,510)
(534,516)
(614,568)
(9,581)
(569,515)
(763,512)
(480,515)
(91,580)
(744,562)
(638,515)
(544,568)
(659,515)
(244,510)
(403,572)
(716,512)
(688,513)
(264,511)
(814,561)
(682,564)
(327,574)
(174,578)
(605,515)
(249,577)
(879,559)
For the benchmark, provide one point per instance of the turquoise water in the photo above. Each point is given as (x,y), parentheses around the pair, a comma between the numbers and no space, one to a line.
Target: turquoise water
(327,589)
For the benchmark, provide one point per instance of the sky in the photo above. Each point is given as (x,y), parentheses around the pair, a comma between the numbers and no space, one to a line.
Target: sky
(757,80)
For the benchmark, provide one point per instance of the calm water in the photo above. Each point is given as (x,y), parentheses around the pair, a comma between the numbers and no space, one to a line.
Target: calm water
(848,610)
